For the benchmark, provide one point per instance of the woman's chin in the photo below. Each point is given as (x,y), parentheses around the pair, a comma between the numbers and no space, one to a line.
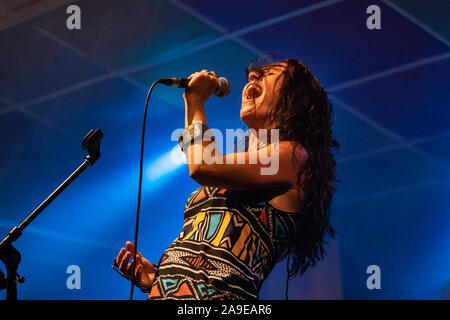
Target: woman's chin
(249,119)
(247,111)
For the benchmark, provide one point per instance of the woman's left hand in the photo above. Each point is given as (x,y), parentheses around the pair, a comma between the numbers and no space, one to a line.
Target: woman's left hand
(144,270)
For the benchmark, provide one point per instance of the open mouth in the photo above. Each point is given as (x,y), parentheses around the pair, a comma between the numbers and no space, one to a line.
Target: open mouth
(253,91)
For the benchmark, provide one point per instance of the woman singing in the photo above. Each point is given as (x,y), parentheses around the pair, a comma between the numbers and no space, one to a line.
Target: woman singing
(241,222)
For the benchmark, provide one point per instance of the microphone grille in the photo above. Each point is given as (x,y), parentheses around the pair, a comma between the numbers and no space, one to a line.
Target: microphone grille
(224,87)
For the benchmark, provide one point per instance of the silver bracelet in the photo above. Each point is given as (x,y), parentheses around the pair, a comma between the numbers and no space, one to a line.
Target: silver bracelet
(192,134)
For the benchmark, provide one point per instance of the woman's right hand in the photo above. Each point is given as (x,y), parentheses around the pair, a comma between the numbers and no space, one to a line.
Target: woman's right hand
(144,272)
(201,86)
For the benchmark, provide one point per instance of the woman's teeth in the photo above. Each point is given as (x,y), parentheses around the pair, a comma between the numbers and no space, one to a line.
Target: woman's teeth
(253,92)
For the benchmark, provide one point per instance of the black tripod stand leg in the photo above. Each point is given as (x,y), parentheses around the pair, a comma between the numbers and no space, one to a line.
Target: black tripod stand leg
(11,258)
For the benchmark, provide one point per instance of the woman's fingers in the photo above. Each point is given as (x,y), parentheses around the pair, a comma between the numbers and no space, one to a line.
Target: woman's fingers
(125,257)
(123,264)
(119,257)
(130,246)
(193,75)
(142,276)
(210,73)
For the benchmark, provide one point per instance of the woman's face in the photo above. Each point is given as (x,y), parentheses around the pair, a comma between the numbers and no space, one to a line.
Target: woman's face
(260,95)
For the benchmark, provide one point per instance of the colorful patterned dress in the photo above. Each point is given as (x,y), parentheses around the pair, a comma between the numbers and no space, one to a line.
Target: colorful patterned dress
(229,243)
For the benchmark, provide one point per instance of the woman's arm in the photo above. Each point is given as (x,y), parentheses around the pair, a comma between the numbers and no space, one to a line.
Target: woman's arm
(272,166)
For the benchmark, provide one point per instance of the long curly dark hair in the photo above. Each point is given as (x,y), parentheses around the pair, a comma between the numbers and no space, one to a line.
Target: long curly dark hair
(303,114)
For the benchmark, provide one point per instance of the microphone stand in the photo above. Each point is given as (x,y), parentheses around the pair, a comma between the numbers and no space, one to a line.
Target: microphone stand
(8,254)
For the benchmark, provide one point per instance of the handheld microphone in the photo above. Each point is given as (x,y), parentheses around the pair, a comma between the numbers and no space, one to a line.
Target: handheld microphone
(222,90)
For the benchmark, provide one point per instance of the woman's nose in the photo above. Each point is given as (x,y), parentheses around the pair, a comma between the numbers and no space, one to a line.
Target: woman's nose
(252,76)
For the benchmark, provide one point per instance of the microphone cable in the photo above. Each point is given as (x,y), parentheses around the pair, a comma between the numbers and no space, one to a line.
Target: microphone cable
(140,190)
(163,81)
